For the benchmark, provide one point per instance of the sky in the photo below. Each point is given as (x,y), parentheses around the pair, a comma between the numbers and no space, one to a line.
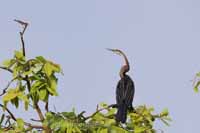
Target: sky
(160,37)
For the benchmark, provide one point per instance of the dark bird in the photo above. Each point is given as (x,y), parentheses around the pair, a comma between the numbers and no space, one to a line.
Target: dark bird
(125,90)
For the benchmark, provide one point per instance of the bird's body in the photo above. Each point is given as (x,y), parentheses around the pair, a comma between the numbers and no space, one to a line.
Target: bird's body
(124,97)
(125,90)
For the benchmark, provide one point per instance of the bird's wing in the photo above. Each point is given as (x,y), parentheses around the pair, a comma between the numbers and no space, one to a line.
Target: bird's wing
(130,92)
(125,91)
(119,92)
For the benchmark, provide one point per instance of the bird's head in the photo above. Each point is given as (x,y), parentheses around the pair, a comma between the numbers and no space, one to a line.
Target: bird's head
(116,51)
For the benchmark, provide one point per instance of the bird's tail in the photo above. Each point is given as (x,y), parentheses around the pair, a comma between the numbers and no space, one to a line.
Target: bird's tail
(121,113)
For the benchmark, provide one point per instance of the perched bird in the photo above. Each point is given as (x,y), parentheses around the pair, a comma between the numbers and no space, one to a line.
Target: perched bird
(125,90)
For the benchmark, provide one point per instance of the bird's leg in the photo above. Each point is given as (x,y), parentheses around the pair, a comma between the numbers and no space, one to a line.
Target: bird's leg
(131,109)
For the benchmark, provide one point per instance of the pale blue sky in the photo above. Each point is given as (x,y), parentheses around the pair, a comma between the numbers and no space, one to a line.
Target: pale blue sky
(160,37)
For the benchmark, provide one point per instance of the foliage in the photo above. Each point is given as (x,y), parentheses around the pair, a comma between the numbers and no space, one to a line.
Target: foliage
(39,72)
(196,82)
(139,121)
(35,81)
(42,76)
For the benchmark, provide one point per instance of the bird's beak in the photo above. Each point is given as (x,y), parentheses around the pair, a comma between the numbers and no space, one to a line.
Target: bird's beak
(114,51)
(110,49)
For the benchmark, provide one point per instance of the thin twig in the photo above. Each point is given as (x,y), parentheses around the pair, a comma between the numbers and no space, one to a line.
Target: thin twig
(25,24)
(99,110)
(5,89)
(36,120)
(9,112)
(7,69)
(15,119)
(47,106)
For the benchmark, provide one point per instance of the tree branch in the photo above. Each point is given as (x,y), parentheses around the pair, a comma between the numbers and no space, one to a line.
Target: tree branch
(5,89)
(99,110)
(9,112)
(47,106)
(25,24)
(36,120)
(7,69)
(26,123)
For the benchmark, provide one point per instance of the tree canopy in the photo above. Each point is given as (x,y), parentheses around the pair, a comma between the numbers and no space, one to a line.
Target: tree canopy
(35,80)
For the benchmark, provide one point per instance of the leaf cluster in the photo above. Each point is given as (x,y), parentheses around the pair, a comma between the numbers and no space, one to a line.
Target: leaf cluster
(34,80)
(141,120)
(40,73)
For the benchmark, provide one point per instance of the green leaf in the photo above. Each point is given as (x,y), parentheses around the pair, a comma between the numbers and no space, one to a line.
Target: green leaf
(103,105)
(41,59)
(111,111)
(9,63)
(196,90)
(25,99)
(28,72)
(110,122)
(19,55)
(49,115)
(139,129)
(15,101)
(37,85)
(15,72)
(6,63)
(115,129)
(48,69)
(165,112)
(52,91)
(56,67)
(198,74)
(196,87)
(51,67)
(53,86)
(20,124)
(35,97)
(35,77)
(167,118)
(43,94)
(103,130)
(11,94)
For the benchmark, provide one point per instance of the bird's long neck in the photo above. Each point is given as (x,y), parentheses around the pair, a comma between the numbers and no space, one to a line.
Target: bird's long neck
(125,68)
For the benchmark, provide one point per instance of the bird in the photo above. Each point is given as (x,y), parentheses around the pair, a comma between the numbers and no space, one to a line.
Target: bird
(125,90)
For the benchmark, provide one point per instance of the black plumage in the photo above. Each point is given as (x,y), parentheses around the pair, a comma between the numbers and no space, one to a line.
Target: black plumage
(124,97)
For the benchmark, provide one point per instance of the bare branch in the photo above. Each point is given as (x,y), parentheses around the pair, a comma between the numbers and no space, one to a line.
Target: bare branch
(7,69)
(25,24)
(5,89)
(9,112)
(99,110)
(47,106)
(11,115)
(36,120)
